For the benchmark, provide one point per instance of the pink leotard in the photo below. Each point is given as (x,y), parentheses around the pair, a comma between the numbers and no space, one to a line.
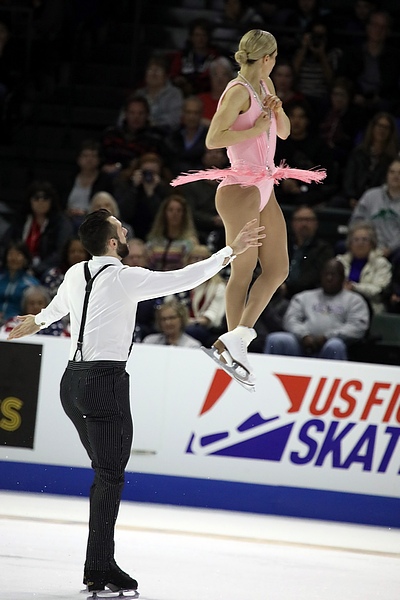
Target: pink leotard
(256,153)
(252,161)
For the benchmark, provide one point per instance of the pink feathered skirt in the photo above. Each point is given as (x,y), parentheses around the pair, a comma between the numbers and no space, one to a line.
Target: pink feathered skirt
(246,174)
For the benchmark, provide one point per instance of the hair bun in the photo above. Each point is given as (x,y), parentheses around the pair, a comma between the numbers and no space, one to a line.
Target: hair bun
(241,57)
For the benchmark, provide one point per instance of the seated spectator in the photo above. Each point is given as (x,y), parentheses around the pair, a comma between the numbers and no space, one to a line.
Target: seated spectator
(185,146)
(201,198)
(283,79)
(144,324)
(190,67)
(315,63)
(357,22)
(298,19)
(34,299)
(322,323)
(43,227)
(171,320)
(134,136)
(165,99)
(392,297)
(106,200)
(305,150)
(374,66)
(307,252)
(15,277)
(221,73)
(205,303)
(88,181)
(341,123)
(236,18)
(172,236)
(72,253)
(139,191)
(368,162)
(366,270)
(381,207)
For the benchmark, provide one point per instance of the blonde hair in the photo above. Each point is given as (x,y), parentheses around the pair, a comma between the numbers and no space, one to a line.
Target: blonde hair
(255,44)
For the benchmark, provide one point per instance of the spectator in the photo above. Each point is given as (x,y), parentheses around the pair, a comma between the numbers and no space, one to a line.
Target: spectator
(283,78)
(35,298)
(72,253)
(106,200)
(172,236)
(374,67)
(201,198)
(298,20)
(190,66)
(307,252)
(205,303)
(44,227)
(368,162)
(171,320)
(185,146)
(139,191)
(315,62)
(322,323)
(341,122)
(366,270)
(144,324)
(236,18)
(357,22)
(14,279)
(393,292)
(381,207)
(134,136)
(164,99)
(221,72)
(303,149)
(88,181)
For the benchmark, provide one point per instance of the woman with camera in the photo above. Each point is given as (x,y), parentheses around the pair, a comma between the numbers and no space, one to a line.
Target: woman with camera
(315,64)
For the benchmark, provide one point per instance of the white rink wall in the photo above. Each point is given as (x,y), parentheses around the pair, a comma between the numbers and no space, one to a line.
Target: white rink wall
(317,439)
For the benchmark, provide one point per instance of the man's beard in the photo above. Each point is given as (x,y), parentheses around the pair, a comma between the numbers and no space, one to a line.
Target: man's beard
(122,250)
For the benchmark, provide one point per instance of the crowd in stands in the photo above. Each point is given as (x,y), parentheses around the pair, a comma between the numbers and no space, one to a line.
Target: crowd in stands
(338,75)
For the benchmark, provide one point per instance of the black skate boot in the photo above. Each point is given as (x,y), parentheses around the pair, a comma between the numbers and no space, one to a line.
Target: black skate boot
(113,567)
(114,578)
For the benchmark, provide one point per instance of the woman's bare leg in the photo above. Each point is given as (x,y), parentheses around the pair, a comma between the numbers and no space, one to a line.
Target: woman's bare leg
(274,262)
(236,206)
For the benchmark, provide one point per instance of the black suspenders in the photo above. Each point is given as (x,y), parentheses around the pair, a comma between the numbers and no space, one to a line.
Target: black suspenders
(88,289)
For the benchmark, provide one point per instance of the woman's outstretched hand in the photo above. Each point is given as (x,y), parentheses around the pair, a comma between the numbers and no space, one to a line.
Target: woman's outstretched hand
(248,237)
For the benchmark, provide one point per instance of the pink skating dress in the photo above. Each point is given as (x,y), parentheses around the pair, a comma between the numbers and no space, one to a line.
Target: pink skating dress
(252,161)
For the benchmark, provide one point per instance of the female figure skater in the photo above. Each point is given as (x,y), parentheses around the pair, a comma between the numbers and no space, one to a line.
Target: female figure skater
(248,119)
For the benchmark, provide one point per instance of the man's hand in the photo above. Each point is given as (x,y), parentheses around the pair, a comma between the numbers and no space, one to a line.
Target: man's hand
(248,237)
(26,327)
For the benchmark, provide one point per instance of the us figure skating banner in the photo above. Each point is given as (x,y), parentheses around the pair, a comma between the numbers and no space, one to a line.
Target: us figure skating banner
(19,385)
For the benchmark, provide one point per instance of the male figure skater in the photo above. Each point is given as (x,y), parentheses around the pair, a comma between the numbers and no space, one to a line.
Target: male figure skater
(95,385)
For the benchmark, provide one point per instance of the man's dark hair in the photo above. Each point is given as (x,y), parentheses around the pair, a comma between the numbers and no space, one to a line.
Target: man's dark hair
(95,232)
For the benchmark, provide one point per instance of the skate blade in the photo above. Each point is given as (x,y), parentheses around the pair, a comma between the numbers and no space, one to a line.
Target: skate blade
(111,594)
(250,387)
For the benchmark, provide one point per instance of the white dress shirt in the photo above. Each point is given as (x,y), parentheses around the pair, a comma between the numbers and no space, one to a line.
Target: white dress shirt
(113,300)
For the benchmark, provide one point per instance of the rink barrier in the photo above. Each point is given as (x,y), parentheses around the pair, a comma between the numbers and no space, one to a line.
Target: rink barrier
(319,439)
(205,493)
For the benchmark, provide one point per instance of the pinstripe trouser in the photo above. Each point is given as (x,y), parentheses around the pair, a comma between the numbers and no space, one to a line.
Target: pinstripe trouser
(95,396)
